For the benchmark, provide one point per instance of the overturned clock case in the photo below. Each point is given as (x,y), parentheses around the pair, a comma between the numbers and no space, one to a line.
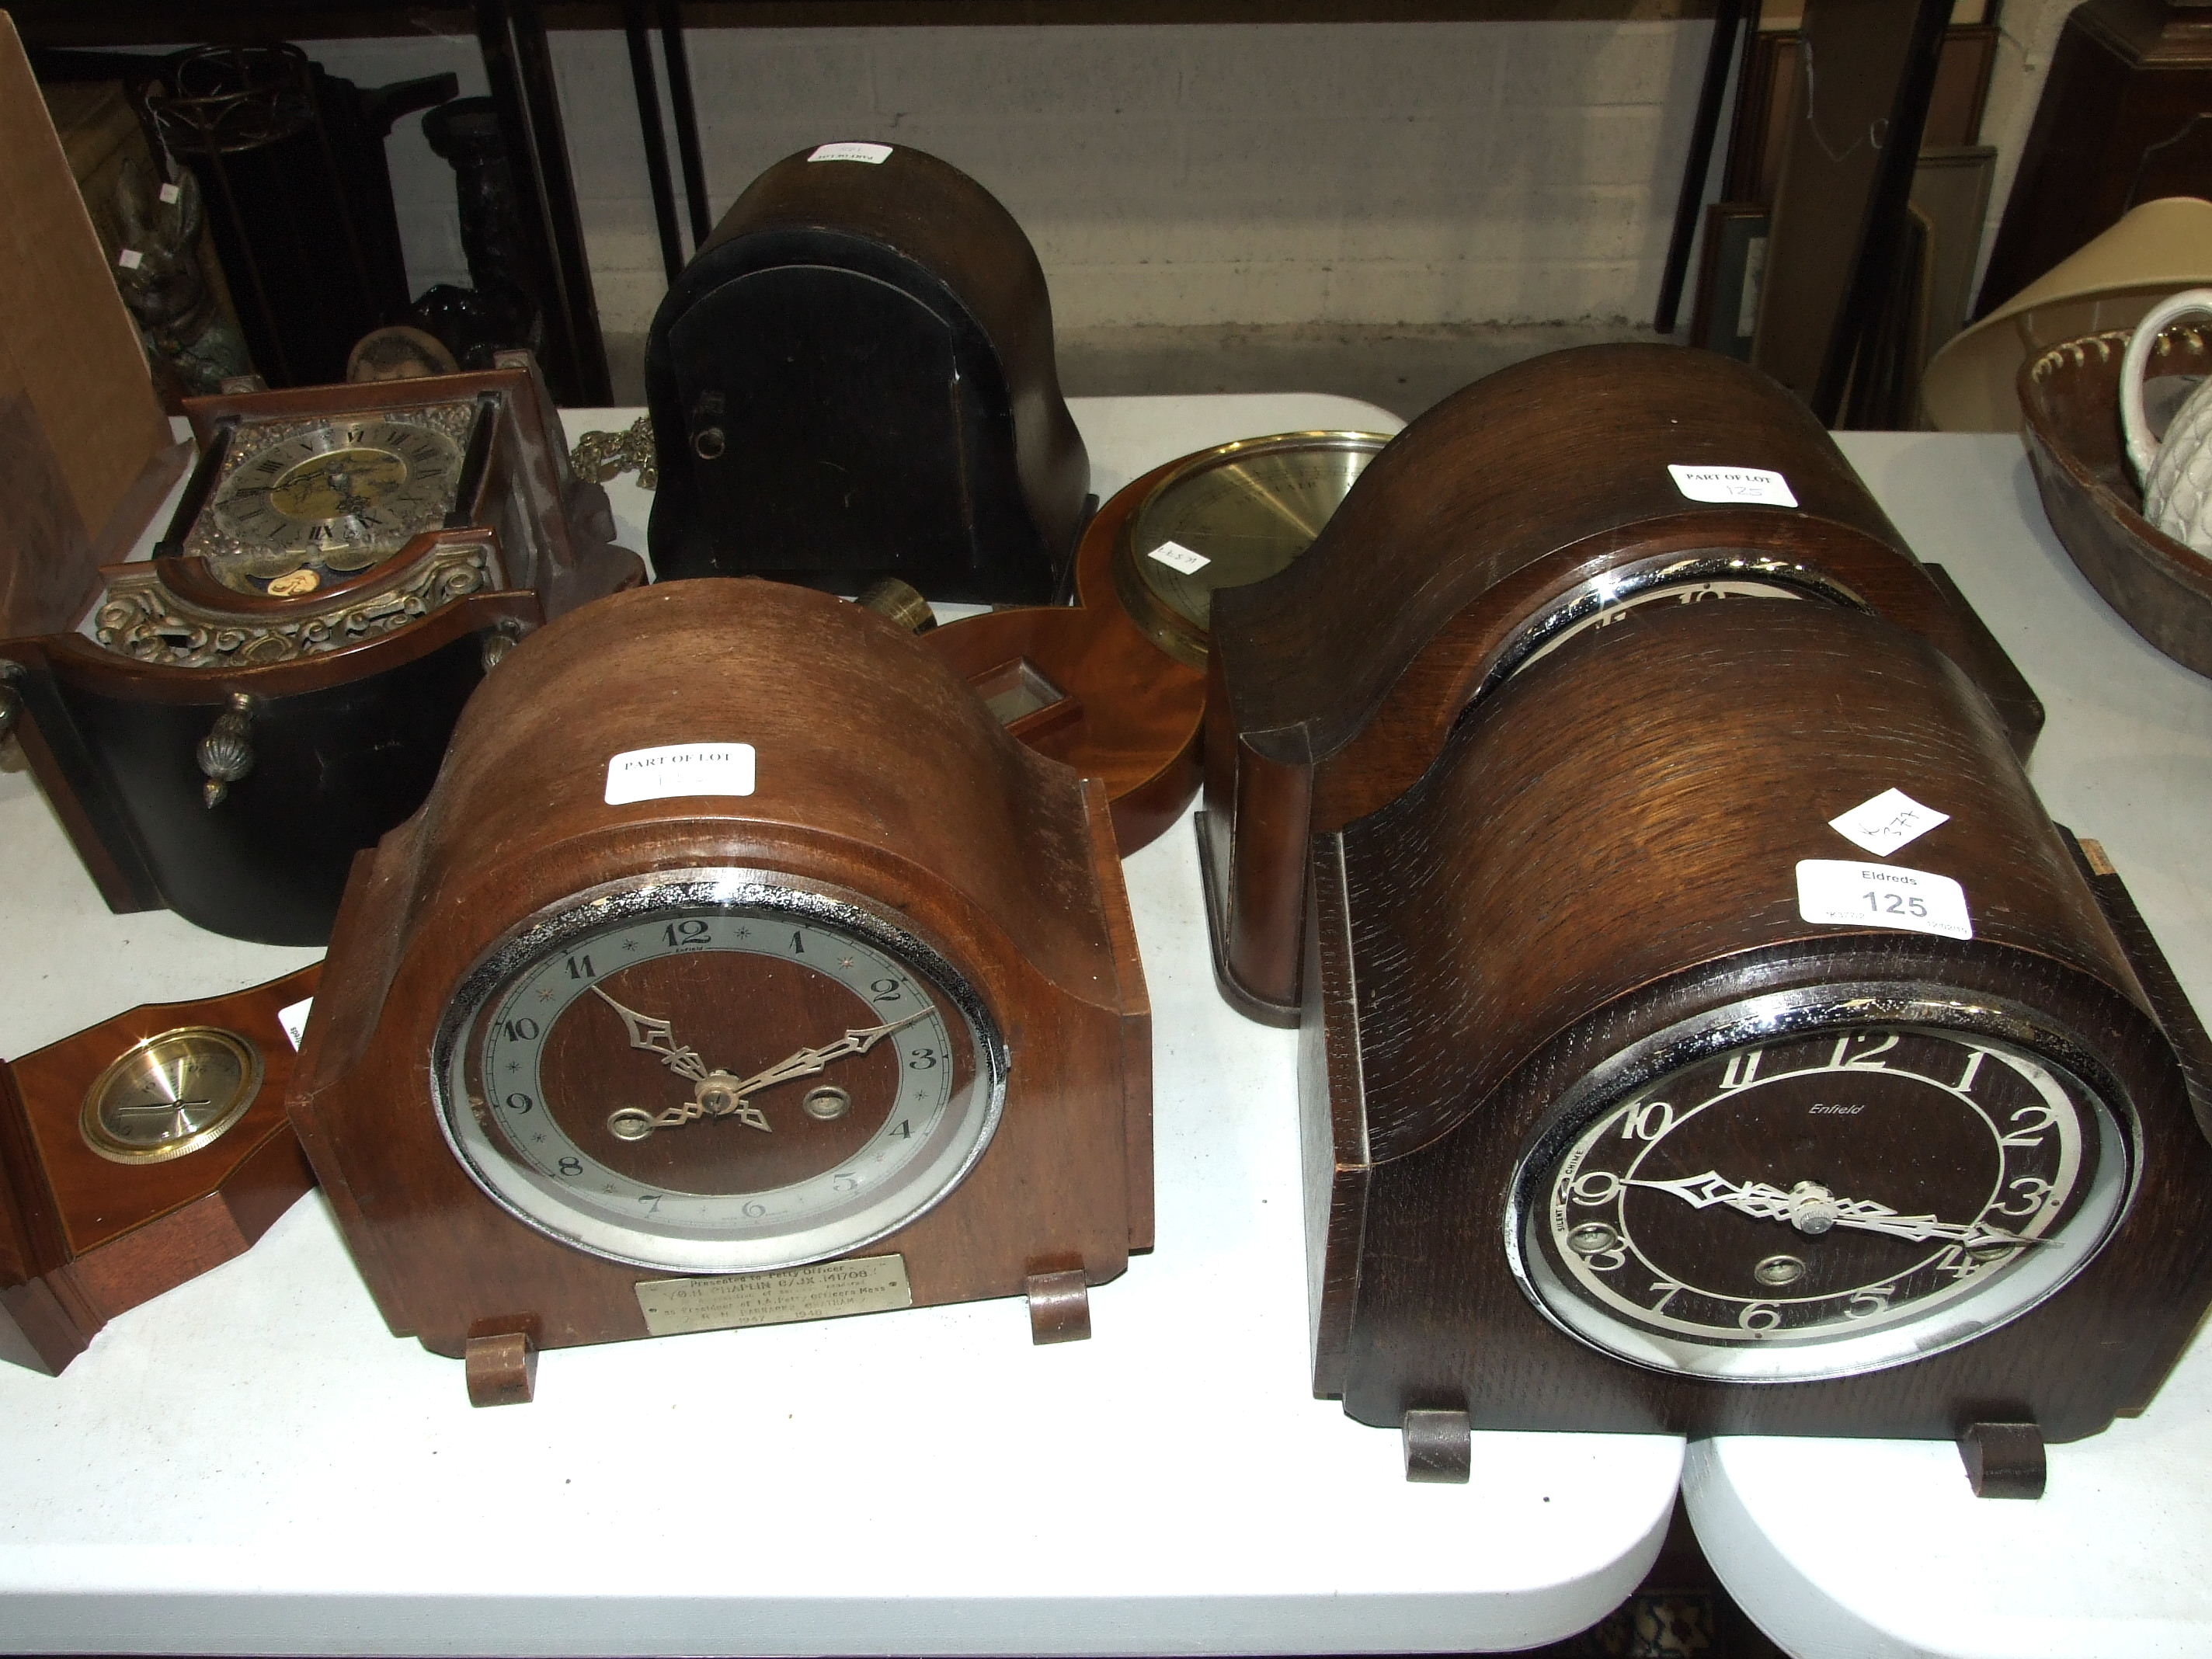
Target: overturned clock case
(854,378)
(139,1154)
(1535,503)
(740,967)
(1601,1133)
(272,690)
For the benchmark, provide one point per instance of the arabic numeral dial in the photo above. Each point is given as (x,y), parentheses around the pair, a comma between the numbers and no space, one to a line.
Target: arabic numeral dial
(1752,1213)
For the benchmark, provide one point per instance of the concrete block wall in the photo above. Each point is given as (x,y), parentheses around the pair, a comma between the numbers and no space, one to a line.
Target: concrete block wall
(1172,174)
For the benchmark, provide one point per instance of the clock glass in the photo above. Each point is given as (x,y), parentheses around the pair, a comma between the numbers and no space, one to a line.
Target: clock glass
(1803,1199)
(1227,516)
(302,504)
(714,1072)
(170,1095)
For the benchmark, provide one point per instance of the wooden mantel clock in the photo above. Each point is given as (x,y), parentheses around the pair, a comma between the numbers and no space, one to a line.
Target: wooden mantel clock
(741,966)
(1721,1040)
(138,1154)
(1551,497)
(272,690)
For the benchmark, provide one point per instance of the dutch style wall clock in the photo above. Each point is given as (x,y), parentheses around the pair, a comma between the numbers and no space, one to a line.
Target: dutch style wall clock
(1647,1100)
(273,689)
(1543,500)
(741,966)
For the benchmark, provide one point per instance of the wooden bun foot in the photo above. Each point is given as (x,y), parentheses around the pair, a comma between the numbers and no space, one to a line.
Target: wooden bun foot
(2003,1460)
(502,1370)
(1439,1447)
(1059,1307)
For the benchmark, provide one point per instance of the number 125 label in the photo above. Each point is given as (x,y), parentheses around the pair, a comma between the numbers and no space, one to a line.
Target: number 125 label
(1839,893)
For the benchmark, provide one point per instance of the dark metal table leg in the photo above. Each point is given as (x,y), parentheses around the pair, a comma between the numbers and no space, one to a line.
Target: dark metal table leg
(656,143)
(687,117)
(1728,16)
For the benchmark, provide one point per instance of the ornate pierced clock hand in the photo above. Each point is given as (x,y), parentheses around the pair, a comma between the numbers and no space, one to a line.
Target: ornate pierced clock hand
(1811,1208)
(657,1038)
(721,1095)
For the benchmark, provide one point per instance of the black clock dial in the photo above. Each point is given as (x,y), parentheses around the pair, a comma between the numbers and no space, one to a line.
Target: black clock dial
(1820,1203)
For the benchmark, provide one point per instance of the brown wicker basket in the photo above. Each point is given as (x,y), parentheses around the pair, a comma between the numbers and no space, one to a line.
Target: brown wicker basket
(2070,396)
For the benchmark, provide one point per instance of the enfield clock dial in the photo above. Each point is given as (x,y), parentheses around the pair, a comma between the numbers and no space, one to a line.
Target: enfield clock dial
(170,1095)
(705,1074)
(1749,1215)
(305,504)
(1228,516)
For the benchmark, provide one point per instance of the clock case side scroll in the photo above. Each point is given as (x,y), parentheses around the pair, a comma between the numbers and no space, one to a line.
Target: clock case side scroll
(1431,1069)
(1009,874)
(1514,505)
(84,1238)
(340,742)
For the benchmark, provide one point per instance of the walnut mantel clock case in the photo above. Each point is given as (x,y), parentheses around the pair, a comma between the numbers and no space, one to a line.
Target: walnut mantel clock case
(1639,1098)
(854,378)
(741,966)
(272,690)
(1540,500)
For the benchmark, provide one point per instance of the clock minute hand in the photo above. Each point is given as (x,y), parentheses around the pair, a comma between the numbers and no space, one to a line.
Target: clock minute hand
(657,1038)
(808,1061)
(1811,1208)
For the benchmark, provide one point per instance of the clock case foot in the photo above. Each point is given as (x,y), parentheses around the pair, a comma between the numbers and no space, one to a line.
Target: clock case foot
(2003,1460)
(501,1369)
(1060,1306)
(1413,1299)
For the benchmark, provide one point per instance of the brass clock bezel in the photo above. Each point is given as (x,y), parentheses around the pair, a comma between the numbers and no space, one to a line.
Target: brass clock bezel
(1166,626)
(140,1057)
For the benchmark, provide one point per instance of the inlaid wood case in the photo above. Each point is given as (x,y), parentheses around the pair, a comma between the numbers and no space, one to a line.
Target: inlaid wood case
(1638,1098)
(854,378)
(1540,502)
(139,1154)
(741,966)
(272,691)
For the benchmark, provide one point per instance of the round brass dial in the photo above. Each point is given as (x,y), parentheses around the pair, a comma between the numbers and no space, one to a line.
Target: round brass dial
(170,1095)
(1227,516)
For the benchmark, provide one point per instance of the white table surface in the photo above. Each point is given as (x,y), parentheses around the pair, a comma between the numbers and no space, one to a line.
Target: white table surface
(251,1464)
(1879,1547)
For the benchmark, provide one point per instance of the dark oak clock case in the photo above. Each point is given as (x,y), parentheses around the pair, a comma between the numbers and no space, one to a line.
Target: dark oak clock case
(854,378)
(881,775)
(83,1237)
(1332,685)
(338,743)
(1605,847)
(1084,684)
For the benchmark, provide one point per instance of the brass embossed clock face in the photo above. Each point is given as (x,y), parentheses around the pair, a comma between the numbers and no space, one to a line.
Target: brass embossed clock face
(303,503)
(170,1095)
(1228,516)
(706,1072)
(1820,1204)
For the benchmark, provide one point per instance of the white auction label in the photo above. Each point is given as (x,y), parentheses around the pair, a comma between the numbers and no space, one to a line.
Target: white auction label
(1838,893)
(293,1019)
(1887,822)
(680,768)
(1733,484)
(131,258)
(1176,557)
(171,195)
(873,155)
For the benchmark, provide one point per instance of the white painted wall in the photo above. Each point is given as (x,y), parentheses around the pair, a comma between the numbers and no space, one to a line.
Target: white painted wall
(1191,174)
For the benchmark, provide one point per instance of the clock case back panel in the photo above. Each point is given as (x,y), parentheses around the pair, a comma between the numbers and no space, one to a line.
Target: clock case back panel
(346,741)
(1332,685)
(1605,848)
(872,346)
(82,1238)
(880,774)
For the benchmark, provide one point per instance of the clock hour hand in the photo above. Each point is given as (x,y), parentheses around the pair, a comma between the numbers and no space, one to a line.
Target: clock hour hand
(1811,1208)
(657,1038)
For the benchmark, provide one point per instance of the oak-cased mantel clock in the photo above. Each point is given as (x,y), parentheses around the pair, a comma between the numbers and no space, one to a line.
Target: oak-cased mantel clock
(741,968)
(138,1154)
(1543,500)
(239,714)
(1721,1040)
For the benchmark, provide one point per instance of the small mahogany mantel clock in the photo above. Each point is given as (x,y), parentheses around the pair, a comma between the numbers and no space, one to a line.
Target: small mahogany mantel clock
(741,968)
